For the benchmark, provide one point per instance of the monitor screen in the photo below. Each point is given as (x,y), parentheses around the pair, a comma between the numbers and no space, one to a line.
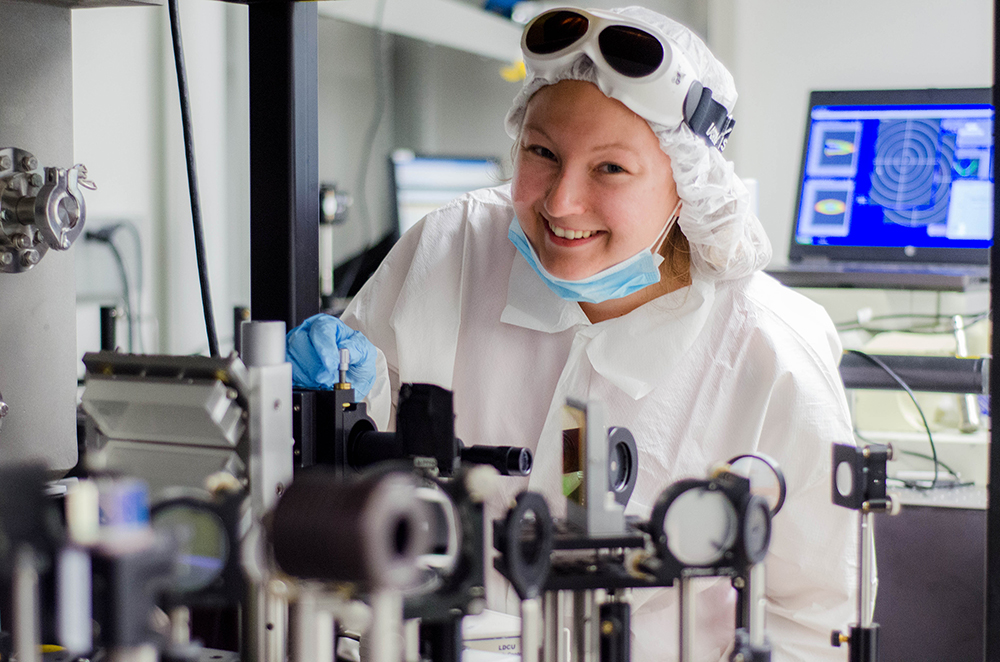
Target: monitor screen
(898,170)
(424,183)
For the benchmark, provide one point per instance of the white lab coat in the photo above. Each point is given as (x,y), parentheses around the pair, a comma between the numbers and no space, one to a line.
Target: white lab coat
(698,376)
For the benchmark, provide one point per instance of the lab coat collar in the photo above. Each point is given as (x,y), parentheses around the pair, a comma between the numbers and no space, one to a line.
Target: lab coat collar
(532,305)
(635,351)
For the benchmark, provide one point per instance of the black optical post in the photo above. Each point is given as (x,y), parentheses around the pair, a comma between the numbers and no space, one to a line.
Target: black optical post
(284,161)
(992,624)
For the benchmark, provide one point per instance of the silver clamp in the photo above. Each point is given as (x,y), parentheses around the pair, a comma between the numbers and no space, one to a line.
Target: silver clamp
(37,213)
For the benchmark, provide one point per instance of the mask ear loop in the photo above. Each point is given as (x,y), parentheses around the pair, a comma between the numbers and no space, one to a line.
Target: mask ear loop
(674,217)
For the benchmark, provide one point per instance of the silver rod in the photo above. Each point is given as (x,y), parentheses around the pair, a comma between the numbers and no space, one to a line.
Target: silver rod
(326,637)
(302,621)
(550,615)
(968,404)
(531,629)
(686,640)
(142,653)
(273,604)
(180,626)
(585,628)
(386,632)
(27,635)
(756,591)
(866,592)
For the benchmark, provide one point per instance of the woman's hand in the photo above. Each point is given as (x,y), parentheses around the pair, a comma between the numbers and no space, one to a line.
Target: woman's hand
(313,349)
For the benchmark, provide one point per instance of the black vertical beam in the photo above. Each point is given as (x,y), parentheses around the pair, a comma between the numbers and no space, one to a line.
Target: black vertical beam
(284,161)
(992,622)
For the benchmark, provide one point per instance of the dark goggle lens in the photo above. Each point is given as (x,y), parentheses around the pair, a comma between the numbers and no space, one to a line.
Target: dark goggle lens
(555,31)
(630,51)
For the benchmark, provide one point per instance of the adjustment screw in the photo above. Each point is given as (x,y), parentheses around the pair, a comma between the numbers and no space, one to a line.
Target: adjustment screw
(5,162)
(6,258)
(38,237)
(29,163)
(36,179)
(30,258)
(22,241)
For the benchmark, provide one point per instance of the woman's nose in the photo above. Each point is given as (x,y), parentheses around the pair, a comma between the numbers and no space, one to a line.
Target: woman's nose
(566,195)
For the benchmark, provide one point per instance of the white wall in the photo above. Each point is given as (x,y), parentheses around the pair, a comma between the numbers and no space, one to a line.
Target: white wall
(127,131)
(779,50)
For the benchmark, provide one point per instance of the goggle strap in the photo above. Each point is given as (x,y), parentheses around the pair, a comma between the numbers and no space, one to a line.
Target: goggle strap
(707,117)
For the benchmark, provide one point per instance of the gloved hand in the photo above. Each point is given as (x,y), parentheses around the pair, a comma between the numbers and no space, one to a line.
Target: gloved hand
(313,349)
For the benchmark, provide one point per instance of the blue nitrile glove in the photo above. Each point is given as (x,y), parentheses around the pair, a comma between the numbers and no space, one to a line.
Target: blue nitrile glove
(313,349)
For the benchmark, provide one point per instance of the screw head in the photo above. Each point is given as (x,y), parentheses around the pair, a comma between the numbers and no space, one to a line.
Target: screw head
(29,163)
(5,162)
(36,179)
(6,258)
(4,409)
(30,258)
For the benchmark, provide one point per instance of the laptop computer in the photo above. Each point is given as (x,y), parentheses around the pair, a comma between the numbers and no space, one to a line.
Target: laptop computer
(895,191)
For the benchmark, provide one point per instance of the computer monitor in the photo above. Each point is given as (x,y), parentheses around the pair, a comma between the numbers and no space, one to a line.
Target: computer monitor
(894,175)
(424,183)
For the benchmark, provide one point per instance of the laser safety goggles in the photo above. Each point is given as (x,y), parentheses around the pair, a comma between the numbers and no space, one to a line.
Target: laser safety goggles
(637,65)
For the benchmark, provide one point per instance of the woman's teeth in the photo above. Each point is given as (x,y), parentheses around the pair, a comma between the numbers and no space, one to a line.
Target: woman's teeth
(571,234)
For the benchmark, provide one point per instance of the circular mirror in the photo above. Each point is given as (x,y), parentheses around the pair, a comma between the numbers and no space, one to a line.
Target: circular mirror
(203,546)
(701,526)
(766,479)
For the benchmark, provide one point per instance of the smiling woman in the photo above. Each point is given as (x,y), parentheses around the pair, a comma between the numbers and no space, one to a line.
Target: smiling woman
(622,265)
(595,198)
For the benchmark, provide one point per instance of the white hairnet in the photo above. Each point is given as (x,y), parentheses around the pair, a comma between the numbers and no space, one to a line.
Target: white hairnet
(727,240)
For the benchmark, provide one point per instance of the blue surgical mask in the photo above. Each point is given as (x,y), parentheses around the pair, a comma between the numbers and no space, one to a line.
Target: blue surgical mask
(617,281)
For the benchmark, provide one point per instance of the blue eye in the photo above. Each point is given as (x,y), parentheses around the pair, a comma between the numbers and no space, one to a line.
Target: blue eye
(543,152)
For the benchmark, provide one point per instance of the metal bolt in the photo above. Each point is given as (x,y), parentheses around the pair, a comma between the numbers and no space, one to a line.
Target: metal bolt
(30,258)
(5,162)
(29,162)
(4,409)
(36,180)
(6,258)
(22,241)
(38,237)
(231,393)
(738,582)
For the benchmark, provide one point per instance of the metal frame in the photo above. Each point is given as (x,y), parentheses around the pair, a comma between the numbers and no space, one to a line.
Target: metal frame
(992,624)
(284,161)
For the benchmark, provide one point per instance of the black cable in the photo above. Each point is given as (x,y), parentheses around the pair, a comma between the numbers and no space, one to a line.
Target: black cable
(928,329)
(140,282)
(889,371)
(130,322)
(192,173)
(106,236)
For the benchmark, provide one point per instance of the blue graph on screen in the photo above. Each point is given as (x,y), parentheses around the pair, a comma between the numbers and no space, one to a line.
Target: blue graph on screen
(898,176)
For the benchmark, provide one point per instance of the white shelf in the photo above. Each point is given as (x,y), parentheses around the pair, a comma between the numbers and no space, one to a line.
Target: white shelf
(444,22)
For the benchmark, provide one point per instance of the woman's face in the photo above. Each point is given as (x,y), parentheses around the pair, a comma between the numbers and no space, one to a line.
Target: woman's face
(591,185)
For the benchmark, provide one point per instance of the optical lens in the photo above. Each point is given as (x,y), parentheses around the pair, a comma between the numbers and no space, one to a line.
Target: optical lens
(630,51)
(555,31)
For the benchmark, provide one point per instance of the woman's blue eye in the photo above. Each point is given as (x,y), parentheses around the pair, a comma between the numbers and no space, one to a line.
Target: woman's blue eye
(538,150)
